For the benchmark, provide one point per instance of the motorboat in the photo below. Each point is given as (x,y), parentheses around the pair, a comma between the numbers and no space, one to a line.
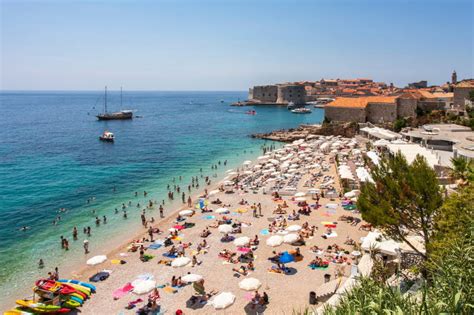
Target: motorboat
(107,136)
(301,110)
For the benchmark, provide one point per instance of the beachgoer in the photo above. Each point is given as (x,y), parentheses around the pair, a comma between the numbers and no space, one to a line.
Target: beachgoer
(86,247)
(41,264)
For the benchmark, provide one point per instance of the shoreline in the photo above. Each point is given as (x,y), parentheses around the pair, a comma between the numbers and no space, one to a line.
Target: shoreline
(79,270)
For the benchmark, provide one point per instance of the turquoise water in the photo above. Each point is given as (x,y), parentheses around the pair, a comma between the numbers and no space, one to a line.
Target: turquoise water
(51,158)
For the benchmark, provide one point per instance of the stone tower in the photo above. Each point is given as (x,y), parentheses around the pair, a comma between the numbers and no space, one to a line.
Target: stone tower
(454,77)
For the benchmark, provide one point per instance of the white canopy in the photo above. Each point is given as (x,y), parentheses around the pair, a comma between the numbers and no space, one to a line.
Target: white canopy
(290,238)
(96,260)
(191,277)
(294,228)
(274,241)
(242,241)
(223,300)
(300,194)
(180,262)
(300,199)
(186,212)
(225,228)
(250,284)
(143,286)
(213,192)
(222,210)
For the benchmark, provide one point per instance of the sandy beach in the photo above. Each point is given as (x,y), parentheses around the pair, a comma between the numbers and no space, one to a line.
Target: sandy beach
(287,292)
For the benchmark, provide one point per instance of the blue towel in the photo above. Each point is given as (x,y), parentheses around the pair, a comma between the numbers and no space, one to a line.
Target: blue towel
(264,232)
(154,246)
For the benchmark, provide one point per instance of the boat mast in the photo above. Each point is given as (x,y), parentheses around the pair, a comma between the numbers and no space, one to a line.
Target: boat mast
(105,98)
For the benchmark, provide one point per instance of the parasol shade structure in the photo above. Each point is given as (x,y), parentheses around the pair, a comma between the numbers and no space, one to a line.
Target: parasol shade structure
(250,284)
(275,240)
(96,260)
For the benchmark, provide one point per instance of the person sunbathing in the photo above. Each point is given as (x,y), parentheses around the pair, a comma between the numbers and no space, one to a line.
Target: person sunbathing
(349,241)
(172,251)
(242,270)
(227,238)
(255,241)
(284,205)
(242,202)
(314,248)
(153,297)
(216,202)
(250,266)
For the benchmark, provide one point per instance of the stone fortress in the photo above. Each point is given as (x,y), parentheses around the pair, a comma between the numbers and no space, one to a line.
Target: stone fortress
(277,94)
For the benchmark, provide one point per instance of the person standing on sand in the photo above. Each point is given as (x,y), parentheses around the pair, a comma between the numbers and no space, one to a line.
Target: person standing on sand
(259,206)
(183,197)
(150,233)
(190,202)
(161,211)
(74,233)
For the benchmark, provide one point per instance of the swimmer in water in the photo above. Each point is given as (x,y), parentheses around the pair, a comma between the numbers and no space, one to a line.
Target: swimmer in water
(24,228)
(41,264)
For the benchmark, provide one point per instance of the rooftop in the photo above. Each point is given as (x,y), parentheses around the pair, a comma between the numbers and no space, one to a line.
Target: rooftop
(466,83)
(361,102)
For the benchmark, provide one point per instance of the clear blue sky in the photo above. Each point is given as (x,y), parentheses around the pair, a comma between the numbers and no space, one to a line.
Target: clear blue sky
(230,45)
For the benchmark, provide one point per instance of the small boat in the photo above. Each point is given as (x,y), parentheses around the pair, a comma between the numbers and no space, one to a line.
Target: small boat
(301,110)
(53,286)
(251,112)
(291,106)
(41,308)
(121,115)
(107,136)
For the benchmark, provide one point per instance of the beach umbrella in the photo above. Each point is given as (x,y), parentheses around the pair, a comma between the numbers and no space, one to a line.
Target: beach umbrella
(233,173)
(191,277)
(263,157)
(180,262)
(96,260)
(290,238)
(223,300)
(350,194)
(248,172)
(274,241)
(300,199)
(282,232)
(294,228)
(222,210)
(242,241)
(143,286)
(247,162)
(213,192)
(300,194)
(250,284)
(225,228)
(286,258)
(186,212)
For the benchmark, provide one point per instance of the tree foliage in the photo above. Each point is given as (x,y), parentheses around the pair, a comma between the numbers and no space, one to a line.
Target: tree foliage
(403,199)
(462,170)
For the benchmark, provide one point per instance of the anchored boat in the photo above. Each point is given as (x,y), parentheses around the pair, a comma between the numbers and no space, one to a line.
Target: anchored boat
(121,115)
(107,136)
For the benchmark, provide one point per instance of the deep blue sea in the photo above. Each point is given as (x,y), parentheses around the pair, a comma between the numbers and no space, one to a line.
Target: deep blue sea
(51,158)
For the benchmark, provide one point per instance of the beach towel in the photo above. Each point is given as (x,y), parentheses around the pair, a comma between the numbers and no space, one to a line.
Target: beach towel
(333,234)
(154,246)
(241,210)
(243,249)
(120,292)
(118,261)
(100,276)
(170,256)
(208,217)
(264,232)
(314,267)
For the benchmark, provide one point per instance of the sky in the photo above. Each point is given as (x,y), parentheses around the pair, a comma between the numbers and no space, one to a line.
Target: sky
(230,44)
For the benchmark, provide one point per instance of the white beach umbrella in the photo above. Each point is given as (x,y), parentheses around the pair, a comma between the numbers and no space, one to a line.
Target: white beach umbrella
(282,232)
(273,161)
(263,157)
(247,162)
(257,166)
(186,212)
(225,228)
(228,171)
(250,284)
(172,230)
(274,241)
(96,260)
(223,300)
(290,238)
(180,262)
(300,194)
(213,192)
(143,286)
(248,172)
(233,173)
(350,194)
(222,210)
(191,277)
(294,228)
(300,199)
(242,241)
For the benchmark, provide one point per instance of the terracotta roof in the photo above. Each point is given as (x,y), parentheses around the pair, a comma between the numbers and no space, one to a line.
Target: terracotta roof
(467,83)
(361,102)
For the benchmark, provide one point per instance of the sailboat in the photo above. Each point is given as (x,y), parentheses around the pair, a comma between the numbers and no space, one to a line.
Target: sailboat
(121,115)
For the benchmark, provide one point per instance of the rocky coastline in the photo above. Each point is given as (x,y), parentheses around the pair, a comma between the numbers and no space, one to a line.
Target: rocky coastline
(308,131)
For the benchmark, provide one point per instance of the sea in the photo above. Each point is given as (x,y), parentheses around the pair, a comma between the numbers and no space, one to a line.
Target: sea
(51,159)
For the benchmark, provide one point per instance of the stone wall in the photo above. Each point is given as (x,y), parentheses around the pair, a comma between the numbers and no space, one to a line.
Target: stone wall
(460,94)
(264,93)
(291,93)
(431,105)
(406,107)
(356,114)
(381,112)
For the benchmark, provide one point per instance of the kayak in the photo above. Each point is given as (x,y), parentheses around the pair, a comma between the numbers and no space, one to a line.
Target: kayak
(77,299)
(81,288)
(84,284)
(53,286)
(17,312)
(42,308)
(70,303)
